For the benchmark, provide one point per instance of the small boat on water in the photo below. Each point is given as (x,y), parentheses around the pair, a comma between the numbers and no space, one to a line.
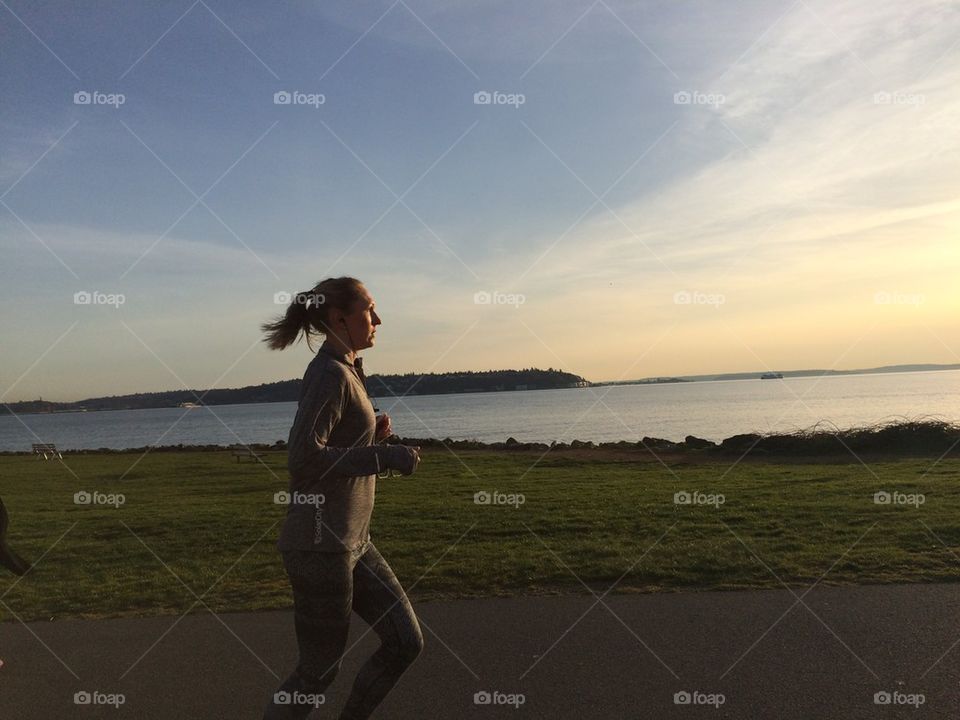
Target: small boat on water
(188,405)
(772,376)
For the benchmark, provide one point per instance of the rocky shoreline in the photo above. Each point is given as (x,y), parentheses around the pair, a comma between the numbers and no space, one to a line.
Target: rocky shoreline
(923,438)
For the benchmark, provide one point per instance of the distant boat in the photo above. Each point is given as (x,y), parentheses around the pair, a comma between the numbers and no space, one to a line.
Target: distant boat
(772,376)
(188,405)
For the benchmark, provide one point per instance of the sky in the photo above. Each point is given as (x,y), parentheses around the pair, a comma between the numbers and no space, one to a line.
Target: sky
(619,190)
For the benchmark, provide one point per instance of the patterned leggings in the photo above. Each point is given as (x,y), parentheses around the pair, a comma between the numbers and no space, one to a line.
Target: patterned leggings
(326,587)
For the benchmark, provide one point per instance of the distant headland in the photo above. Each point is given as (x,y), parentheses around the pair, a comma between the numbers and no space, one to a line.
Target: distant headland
(289,390)
(417,384)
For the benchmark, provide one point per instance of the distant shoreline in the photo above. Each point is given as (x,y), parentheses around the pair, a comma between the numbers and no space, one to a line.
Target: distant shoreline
(787,374)
(411,384)
(883,370)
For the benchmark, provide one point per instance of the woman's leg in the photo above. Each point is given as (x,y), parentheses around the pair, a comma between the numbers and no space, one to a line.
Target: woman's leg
(322,593)
(380,600)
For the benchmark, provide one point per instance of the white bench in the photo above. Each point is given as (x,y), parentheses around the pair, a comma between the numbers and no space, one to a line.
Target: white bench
(46,449)
(242,451)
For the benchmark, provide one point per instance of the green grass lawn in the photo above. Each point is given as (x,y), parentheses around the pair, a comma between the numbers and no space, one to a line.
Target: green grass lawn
(198,524)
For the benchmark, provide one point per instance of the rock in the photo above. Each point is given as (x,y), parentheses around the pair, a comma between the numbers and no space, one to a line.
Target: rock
(650,443)
(740,443)
(618,445)
(512,441)
(695,443)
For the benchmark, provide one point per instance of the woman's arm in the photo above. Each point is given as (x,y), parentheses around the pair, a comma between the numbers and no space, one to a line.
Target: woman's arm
(322,408)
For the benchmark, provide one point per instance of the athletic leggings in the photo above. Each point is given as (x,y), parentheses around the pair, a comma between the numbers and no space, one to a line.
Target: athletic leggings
(326,587)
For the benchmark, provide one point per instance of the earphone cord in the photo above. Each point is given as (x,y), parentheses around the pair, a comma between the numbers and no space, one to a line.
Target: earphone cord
(359,372)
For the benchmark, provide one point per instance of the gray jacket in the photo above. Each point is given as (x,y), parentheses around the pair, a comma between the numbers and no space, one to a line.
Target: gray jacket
(333,461)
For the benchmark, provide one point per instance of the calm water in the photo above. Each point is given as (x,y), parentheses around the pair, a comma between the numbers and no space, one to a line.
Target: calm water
(713,410)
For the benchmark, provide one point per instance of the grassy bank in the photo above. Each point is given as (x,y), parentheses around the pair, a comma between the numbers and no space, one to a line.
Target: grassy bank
(197,522)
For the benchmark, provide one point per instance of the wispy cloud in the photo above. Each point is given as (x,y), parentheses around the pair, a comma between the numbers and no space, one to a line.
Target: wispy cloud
(812,158)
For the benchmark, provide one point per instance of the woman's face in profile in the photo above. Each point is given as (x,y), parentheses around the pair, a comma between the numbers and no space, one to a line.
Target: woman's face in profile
(362,322)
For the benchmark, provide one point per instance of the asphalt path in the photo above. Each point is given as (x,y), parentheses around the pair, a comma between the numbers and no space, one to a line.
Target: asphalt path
(740,654)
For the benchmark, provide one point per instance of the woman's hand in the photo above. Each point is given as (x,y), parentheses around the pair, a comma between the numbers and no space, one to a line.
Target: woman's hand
(403,458)
(384,428)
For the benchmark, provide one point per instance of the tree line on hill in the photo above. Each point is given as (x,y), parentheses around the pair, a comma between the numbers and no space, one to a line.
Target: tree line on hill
(289,390)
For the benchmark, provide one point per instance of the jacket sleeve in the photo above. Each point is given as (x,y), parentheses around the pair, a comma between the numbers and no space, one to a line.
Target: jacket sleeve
(321,410)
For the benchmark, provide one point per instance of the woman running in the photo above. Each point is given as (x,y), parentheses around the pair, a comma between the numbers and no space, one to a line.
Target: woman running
(334,459)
